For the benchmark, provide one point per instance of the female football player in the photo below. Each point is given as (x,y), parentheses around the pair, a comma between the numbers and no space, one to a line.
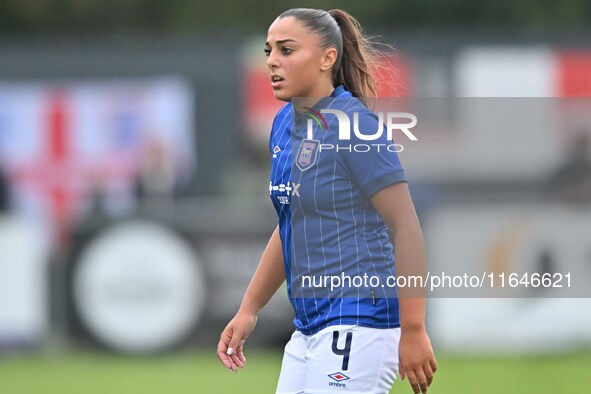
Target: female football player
(337,195)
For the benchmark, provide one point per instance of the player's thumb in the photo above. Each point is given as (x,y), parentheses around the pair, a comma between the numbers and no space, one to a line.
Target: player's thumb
(234,342)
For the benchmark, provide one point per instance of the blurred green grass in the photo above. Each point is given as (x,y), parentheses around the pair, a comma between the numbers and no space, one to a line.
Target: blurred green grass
(200,372)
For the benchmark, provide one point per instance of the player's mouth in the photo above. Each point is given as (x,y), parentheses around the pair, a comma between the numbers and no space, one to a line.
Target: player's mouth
(276,81)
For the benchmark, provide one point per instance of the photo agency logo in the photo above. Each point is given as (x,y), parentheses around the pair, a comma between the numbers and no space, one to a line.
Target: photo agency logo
(402,121)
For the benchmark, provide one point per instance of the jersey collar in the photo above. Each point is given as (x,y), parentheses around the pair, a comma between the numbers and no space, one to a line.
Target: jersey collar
(324,102)
(338,91)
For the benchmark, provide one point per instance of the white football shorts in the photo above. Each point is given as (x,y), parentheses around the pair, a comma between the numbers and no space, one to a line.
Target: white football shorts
(340,359)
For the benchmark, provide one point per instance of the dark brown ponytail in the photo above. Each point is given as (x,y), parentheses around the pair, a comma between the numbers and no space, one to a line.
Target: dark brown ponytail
(356,59)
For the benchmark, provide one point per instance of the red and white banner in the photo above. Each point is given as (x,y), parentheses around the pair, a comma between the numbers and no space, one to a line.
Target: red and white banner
(512,71)
(61,143)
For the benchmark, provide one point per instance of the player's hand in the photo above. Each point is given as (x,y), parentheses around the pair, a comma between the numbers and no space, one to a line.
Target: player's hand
(230,347)
(416,359)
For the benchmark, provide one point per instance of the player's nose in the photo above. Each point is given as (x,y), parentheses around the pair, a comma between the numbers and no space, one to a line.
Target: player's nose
(272,61)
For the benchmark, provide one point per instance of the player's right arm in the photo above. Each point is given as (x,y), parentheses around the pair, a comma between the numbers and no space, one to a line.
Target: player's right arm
(267,278)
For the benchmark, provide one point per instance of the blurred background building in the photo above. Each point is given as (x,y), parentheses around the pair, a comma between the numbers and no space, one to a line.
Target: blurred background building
(134,159)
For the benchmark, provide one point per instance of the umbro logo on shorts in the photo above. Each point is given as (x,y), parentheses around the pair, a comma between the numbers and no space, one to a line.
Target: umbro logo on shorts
(338,377)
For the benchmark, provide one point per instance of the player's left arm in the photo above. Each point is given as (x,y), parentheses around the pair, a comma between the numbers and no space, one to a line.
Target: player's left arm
(416,359)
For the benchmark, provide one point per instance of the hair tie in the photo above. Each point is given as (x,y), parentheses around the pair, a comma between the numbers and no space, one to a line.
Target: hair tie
(333,17)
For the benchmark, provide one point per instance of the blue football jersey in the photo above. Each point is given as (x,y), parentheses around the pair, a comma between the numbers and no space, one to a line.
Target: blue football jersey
(321,186)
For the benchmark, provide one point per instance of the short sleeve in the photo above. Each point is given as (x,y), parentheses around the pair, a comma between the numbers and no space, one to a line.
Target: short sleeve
(373,164)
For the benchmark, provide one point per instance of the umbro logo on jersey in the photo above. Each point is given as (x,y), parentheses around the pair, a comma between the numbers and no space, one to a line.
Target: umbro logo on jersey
(276,150)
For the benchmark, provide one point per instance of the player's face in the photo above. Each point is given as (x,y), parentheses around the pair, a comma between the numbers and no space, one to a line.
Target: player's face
(295,60)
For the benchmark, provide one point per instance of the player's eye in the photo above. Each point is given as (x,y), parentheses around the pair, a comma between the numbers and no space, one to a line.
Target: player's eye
(267,51)
(286,51)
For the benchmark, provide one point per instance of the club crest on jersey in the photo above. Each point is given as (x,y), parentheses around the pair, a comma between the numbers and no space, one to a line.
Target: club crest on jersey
(307,154)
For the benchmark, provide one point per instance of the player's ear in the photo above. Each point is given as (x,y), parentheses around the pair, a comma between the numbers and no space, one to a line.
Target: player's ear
(329,57)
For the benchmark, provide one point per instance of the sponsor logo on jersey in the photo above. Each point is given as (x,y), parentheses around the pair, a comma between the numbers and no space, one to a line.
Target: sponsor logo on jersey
(290,189)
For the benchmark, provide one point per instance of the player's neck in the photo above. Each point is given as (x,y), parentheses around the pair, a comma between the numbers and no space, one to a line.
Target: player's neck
(320,91)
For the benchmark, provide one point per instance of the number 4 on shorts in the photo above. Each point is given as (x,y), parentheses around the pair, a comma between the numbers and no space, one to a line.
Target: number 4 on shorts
(346,351)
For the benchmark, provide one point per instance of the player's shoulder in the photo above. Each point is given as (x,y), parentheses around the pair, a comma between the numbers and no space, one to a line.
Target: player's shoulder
(280,123)
(283,112)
